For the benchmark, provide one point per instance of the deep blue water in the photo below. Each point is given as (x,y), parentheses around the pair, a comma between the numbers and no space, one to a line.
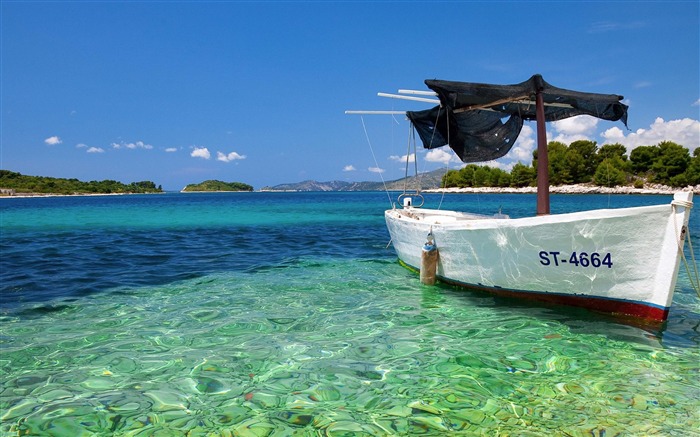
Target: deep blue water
(58,247)
(266,313)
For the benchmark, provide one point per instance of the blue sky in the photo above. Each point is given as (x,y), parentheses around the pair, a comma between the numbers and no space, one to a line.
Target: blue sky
(182,92)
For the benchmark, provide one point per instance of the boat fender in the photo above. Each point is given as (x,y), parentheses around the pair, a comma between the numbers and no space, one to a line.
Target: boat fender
(428,261)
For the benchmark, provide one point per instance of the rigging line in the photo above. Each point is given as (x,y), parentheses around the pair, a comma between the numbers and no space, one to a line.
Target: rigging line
(607,173)
(375,159)
(607,166)
(692,257)
(418,179)
(415,163)
(443,183)
(447,122)
(418,176)
(694,282)
(408,157)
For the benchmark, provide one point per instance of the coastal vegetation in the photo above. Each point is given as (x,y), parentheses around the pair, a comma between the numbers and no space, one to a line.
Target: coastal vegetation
(214,185)
(23,184)
(583,162)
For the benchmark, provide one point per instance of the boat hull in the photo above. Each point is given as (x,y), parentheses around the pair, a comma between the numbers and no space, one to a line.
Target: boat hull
(620,261)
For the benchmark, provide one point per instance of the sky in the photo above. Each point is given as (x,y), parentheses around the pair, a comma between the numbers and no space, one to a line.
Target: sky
(256,92)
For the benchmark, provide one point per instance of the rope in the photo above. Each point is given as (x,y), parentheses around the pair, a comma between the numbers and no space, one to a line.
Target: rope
(375,159)
(695,264)
(408,160)
(419,179)
(607,165)
(408,154)
(683,203)
(685,233)
(447,122)
(444,184)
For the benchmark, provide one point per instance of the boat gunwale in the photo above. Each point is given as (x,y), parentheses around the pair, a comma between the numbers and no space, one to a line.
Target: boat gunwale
(484,221)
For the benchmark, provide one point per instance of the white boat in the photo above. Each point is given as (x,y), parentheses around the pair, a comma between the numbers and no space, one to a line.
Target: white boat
(619,261)
(622,261)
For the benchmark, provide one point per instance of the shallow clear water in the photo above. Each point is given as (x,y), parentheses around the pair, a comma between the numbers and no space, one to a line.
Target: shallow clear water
(285,314)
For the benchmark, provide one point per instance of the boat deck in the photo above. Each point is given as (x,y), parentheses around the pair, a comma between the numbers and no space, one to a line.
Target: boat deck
(435,216)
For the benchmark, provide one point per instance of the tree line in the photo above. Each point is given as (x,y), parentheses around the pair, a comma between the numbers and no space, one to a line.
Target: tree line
(48,185)
(214,185)
(583,162)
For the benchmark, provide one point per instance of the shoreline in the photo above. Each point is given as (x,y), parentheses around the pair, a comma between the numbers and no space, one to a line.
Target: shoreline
(31,195)
(217,191)
(558,189)
(569,189)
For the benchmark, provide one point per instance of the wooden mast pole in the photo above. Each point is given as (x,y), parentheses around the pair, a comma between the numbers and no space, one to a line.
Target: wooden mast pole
(542,157)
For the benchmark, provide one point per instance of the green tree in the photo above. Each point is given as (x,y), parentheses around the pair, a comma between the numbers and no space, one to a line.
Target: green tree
(577,167)
(42,184)
(643,157)
(467,175)
(522,175)
(672,161)
(481,176)
(692,173)
(451,179)
(504,179)
(583,170)
(612,150)
(558,165)
(610,172)
(214,185)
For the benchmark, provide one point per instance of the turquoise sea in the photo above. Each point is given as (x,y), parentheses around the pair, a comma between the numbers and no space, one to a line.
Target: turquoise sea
(285,314)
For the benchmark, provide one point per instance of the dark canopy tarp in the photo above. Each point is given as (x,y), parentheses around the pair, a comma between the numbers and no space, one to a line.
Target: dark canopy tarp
(481,122)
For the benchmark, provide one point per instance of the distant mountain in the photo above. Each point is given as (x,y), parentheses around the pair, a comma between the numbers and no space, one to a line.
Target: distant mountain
(429,180)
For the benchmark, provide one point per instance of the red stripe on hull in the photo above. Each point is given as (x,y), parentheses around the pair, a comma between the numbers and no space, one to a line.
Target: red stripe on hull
(638,313)
(634,313)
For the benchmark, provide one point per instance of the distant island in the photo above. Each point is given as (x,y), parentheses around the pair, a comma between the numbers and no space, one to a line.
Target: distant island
(13,183)
(214,186)
(581,167)
(431,183)
(425,181)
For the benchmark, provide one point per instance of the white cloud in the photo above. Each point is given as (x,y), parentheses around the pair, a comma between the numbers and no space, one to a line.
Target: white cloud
(233,156)
(615,135)
(95,150)
(524,146)
(685,132)
(80,145)
(442,155)
(402,159)
(573,129)
(139,145)
(614,26)
(376,170)
(349,168)
(171,149)
(200,152)
(132,146)
(52,141)
(696,103)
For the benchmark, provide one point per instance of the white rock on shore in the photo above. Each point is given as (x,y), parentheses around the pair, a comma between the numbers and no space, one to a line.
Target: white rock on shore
(572,189)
